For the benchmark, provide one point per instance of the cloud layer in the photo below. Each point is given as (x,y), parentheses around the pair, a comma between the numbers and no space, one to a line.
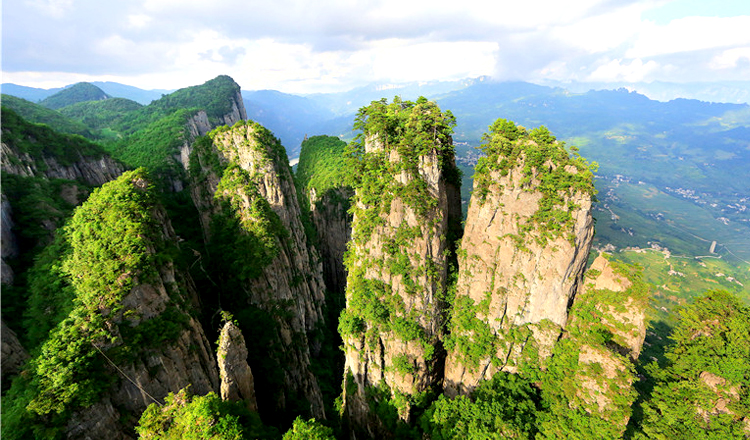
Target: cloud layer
(305,46)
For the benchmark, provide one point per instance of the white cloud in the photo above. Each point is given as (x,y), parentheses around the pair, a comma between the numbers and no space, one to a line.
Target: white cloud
(691,34)
(138,21)
(731,58)
(617,70)
(52,8)
(300,45)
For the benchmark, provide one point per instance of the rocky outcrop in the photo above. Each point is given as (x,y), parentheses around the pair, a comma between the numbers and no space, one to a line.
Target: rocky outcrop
(237,383)
(242,185)
(199,125)
(101,420)
(186,360)
(8,244)
(522,257)
(13,353)
(90,170)
(333,223)
(406,210)
(139,306)
(592,370)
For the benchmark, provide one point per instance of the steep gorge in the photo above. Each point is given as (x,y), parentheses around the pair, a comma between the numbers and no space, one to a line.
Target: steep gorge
(432,309)
(242,185)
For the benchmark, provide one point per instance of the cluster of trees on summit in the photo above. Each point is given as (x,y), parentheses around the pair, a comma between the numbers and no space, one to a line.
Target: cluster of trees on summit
(106,279)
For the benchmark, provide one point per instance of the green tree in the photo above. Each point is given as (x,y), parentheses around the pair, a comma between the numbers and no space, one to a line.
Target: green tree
(703,391)
(308,430)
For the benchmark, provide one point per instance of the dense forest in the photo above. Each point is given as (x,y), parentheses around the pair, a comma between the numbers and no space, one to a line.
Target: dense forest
(167,274)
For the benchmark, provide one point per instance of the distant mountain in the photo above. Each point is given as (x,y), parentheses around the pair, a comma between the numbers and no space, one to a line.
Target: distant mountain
(291,118)
(734,92)
(140,96)
(32,94)
(347,103)
(74,94)
(113,89)
(42,115)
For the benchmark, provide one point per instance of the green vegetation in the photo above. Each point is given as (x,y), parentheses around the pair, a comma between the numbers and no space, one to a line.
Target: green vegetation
(242,207)
(40,141)
(101,115)
(506,406)
(183,416)
(38,114)
(322,164)
(539,157)
(114,241)
(308,430)
(38,205)
(702,390)
(150,136)
(588,382)
(154,145)
(399,144)
(79,92)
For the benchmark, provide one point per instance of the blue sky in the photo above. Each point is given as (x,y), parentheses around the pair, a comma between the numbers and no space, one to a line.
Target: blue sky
(301,46)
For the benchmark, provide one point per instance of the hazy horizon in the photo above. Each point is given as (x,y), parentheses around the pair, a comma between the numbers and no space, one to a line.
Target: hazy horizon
(302,47)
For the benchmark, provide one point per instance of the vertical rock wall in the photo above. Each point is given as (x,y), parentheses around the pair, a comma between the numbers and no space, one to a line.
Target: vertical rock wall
(243,188)
(406,209)
(522,256)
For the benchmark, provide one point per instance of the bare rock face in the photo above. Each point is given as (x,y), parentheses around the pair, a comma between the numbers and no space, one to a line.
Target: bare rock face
(94,171)
(186,360)
(333,223)
(237,383)
(592,370)
(154,345)
(101,420)
(406,212)
(13,353)
(242,186)
(8,244)
(522,257)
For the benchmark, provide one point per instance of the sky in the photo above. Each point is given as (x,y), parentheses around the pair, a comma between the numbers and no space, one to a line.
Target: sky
(305,46)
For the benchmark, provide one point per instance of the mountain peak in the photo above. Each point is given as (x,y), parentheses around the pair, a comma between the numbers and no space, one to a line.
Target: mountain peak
(80,92)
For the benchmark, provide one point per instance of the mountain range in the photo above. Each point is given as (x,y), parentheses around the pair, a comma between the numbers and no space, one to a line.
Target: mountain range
(451,266)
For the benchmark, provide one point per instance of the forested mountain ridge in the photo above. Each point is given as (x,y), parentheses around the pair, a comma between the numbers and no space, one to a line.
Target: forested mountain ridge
(213,237)
(76,93)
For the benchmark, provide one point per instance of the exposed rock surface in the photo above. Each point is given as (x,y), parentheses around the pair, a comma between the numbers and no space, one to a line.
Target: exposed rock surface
(237,383)
(333,223)
(255,174)
(13,353)
(163,295)
(99,421)
(602,340)
(8,245)
(517,283)
(93,171)
(398,263)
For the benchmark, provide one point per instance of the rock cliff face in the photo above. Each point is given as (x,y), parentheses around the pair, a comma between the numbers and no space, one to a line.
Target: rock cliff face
(592,369)
(31,156)
(237,383)
(522,257)
(13,353)
(243,188)
(8,244)
(199,125)
(93,171)
(166,348)
(406,209)
(329,215)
